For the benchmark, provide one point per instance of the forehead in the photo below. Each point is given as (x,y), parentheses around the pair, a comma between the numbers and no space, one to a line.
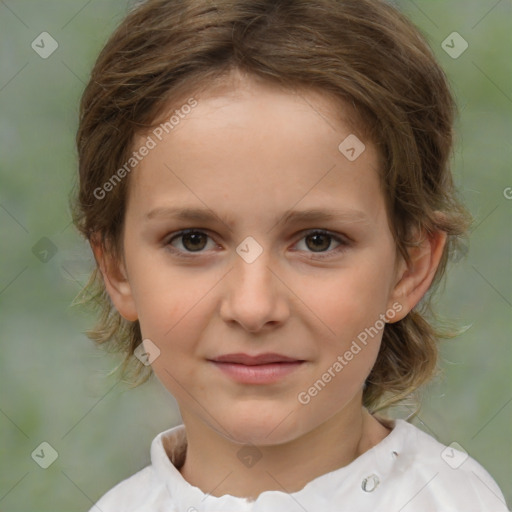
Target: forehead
(254,146)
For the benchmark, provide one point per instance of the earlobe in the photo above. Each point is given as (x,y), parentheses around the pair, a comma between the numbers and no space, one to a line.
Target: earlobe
(415,279)
(116,282)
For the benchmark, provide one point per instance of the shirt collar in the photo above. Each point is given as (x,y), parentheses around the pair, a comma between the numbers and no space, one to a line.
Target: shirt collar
(361,479)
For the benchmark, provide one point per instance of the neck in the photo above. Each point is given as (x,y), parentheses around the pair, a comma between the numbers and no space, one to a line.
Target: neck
(213,465)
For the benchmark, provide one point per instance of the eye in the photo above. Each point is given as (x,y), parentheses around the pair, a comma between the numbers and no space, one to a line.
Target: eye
(319,241)
(192,240)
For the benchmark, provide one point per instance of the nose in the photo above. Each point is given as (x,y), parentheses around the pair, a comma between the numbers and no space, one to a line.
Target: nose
(254,295)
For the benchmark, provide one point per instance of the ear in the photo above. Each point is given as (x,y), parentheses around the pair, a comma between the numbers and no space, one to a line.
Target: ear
(414,279)
(116,281)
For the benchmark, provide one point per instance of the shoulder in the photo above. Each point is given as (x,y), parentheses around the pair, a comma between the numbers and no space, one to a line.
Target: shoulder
(132,494)
(147,489)
(444,477)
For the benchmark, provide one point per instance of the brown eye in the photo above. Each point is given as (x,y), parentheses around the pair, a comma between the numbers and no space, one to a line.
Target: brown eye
(194,241)
(318,244)
(319,241)
(191,241)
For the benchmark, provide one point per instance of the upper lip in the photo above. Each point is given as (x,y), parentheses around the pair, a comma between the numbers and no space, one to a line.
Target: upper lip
(249,360)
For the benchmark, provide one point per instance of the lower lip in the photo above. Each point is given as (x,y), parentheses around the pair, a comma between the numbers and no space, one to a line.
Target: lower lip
(258,374)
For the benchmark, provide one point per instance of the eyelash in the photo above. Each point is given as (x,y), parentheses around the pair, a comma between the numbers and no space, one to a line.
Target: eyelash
(344,243)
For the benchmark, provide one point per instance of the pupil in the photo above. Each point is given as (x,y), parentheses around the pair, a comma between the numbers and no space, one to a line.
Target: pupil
(195,238)
(320,245)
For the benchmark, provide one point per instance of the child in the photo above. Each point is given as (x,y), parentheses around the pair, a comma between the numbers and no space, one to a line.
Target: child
(261,128)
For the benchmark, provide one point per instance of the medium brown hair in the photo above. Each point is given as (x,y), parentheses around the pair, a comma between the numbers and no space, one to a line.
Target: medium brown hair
(364,53)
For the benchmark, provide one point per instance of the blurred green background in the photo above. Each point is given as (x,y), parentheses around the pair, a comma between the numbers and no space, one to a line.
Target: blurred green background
(54,383)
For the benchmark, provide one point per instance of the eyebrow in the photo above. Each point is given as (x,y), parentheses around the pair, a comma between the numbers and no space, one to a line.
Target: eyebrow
(288,217)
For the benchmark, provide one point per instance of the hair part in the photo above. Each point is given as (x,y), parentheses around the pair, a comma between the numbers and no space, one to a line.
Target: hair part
(362,53)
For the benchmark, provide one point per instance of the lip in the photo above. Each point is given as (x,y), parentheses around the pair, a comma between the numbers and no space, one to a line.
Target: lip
(258,369)
(259,359)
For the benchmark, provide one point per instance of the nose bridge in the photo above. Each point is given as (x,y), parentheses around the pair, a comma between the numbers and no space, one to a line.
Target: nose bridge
(252,263)
(255,276)
(252,275)
(254,295)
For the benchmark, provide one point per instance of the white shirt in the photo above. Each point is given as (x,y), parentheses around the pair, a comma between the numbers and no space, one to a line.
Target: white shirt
(408,471)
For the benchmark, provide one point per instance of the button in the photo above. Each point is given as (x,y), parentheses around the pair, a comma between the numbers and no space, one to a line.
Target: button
(370,483)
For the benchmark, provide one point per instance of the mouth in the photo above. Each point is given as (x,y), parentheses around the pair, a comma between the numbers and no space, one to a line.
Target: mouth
(259,369)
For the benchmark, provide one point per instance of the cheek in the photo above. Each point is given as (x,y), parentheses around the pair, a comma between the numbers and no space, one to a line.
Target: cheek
(176,325)
(172,315)
(166,296)
(350,300)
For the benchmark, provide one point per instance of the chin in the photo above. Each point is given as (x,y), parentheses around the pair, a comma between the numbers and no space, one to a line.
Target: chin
(262,427)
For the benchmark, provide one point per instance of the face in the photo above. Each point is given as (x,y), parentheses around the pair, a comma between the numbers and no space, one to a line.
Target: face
(268,312)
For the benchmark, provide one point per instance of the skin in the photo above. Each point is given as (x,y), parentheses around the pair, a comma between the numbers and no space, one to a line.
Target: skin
(249,152)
